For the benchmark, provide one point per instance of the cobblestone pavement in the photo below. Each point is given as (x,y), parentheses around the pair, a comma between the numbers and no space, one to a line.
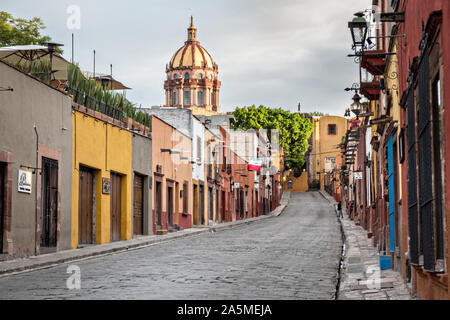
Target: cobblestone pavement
(293,256)
(361,277)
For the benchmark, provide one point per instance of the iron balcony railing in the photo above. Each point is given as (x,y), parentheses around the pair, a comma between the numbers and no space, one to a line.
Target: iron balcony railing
(94,104)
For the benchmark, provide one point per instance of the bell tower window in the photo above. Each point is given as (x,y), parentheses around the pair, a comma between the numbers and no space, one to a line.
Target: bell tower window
(200,98)
(187,97)
(174,97)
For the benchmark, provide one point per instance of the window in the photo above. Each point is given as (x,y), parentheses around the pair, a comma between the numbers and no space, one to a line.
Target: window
(174,98)
(199,150)
(200,97)
(175,76)
(187,97)
(186,76)
(200,76)
(332,129)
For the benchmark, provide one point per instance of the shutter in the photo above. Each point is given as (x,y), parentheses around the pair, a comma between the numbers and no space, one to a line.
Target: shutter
(425,165)
(412,182)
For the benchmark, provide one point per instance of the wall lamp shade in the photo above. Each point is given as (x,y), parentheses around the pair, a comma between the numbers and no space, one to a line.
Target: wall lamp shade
(358,28)
(356,107)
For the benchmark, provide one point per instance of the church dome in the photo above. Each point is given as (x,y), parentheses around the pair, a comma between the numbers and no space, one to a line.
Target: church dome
(192,54)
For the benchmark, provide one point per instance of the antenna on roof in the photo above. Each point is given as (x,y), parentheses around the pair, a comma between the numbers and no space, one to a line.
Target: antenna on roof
(72,47)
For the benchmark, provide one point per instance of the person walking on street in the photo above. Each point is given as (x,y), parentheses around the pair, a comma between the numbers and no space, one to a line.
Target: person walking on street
(339,210)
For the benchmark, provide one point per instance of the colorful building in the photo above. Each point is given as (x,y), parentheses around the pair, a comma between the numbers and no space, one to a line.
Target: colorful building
(172,175)
(35,161)
(102,178)
(192,78)
(324,158)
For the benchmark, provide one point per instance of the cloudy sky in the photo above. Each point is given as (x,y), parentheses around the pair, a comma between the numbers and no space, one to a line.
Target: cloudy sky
(271,52)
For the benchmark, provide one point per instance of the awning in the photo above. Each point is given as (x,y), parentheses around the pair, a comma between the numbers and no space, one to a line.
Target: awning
(105,80)
(16,54)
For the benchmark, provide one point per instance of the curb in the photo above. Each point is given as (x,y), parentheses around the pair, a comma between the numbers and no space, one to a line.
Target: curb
(72,255)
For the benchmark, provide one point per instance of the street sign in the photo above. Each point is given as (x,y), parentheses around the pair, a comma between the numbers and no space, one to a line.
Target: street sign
(358,175)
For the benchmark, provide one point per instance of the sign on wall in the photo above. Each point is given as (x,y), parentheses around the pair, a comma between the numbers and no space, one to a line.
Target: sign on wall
(106,185)
(330,163)
(358,175)
(25,178)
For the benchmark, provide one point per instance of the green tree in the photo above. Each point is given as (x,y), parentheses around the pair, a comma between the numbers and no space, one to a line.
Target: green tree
(19,31)
(294,130)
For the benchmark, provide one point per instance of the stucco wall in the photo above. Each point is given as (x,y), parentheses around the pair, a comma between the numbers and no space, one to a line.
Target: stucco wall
(104,148)
(142,164)
(34,103)
(165,136)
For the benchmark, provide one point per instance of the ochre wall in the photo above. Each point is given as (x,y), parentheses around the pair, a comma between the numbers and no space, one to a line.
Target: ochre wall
(104,148)
(299,184)
(328,144)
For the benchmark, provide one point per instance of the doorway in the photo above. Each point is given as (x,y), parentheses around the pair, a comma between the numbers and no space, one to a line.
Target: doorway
(196,209)
(222,203)
(201,210)
(169,206)
(2,204)
(49,210)
(85,206)
(116,206)
(210,205)
(158,205)
(138,205)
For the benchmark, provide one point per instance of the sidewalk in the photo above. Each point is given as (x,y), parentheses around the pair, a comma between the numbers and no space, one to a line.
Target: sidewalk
(361,277)
(91,251)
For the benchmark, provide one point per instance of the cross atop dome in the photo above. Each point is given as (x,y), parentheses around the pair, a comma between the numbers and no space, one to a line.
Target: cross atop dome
(192,31)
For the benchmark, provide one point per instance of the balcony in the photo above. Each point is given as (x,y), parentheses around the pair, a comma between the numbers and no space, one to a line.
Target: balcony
(371,90)
(374,62)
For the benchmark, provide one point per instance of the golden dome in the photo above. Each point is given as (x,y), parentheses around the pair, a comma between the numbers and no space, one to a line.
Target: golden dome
(192,54)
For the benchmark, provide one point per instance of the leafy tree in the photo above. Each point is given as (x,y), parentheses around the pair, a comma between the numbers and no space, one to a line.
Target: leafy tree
(19,31)
(294,130)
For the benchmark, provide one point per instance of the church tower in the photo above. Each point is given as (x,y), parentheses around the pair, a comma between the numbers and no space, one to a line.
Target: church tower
(192,81)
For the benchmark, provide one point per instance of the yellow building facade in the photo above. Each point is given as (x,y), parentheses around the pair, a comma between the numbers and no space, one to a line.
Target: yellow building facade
(325,155)
(102,155)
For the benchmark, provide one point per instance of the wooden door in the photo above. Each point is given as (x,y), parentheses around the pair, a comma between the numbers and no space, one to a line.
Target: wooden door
(49,209)
(2,206)
(169,207)
(138,205)
(85,206)
(158,205)
(116,206)
(223,204)
(201,210)
(210,205)
(196,209)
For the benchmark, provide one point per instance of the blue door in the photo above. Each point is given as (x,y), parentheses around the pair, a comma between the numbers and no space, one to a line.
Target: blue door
(391,194)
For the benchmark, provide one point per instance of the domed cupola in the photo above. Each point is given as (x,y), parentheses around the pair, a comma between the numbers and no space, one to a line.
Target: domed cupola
(192,77)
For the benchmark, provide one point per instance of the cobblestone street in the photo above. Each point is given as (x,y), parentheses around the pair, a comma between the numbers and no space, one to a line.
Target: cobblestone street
(293,256)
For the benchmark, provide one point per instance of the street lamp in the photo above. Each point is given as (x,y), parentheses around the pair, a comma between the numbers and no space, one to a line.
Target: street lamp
(358,28)
(52,48)
(356,107)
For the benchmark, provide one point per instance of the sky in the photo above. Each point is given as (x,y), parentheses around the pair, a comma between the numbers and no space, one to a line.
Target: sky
(276,53)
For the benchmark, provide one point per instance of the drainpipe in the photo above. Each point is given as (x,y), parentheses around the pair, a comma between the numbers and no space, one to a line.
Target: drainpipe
(35,190)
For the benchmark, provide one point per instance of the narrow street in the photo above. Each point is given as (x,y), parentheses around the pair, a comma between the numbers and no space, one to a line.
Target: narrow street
(293,256)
